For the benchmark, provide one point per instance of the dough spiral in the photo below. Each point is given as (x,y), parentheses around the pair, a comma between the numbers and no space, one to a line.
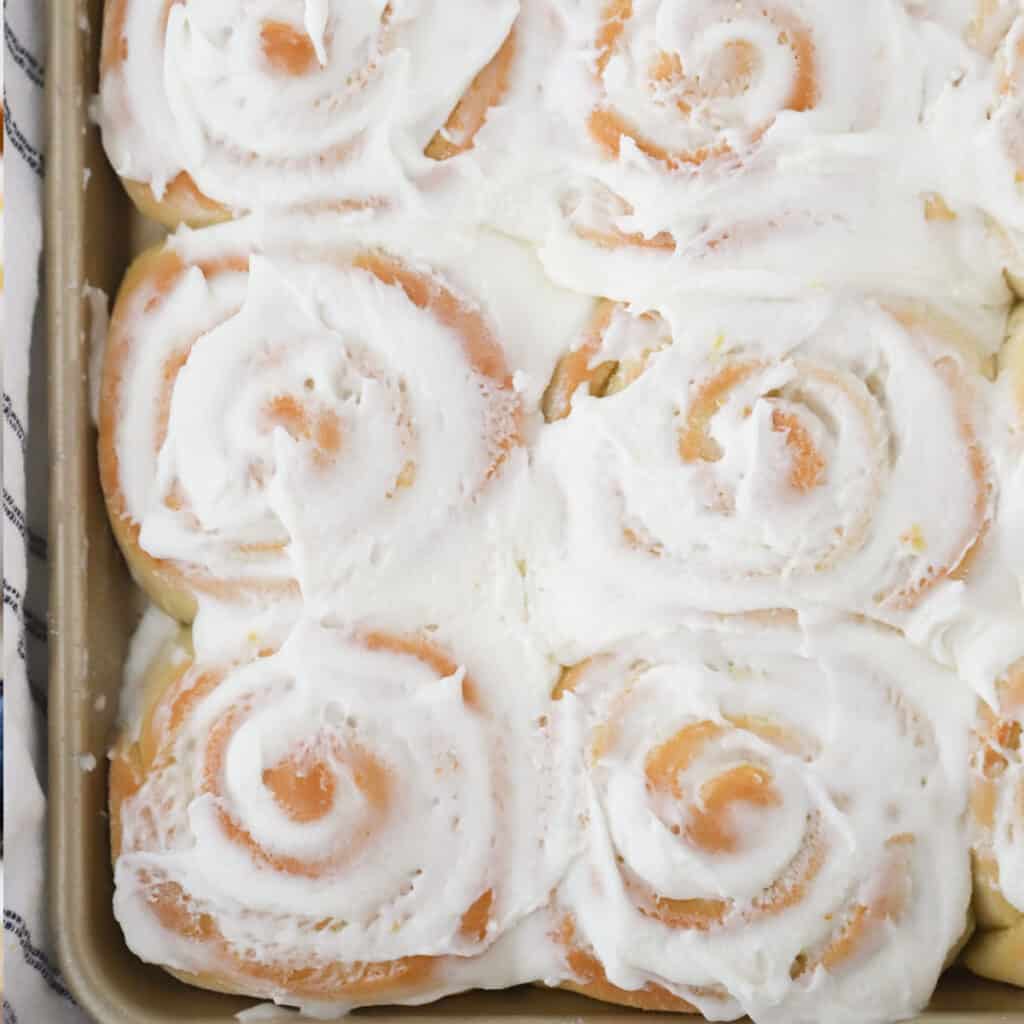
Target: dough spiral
(733,808)
(256,404)
(762,456)
(330,823)
(212,108)
(684,94)
(739,146)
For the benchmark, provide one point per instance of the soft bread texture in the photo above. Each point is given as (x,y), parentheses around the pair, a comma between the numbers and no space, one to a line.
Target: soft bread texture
(997,949)
(181,203)
(187,755)
(1012,362)
(172,675)
(160,583)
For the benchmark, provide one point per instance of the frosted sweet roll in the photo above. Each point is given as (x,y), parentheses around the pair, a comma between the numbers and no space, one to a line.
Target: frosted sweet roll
(775,823)
(348,820)
(1004,185)
(761,456)
(750,142)
(263,410)
(212,108)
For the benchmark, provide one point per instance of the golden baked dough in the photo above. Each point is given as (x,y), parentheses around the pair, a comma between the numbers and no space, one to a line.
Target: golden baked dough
(997,803)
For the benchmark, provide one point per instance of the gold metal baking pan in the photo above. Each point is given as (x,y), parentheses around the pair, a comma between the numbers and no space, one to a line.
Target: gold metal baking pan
(92,234)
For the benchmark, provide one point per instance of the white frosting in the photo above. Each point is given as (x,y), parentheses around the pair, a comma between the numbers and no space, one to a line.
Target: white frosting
(1003,137)
(845,124)
(379,381)
(763,139)
(474,801)
(808,217)
(858,741)
(197,92)
(418,414)
(847,463)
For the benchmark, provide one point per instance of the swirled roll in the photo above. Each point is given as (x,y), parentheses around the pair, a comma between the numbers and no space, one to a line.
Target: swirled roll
(270,414)
(708,81)
(757,148)
(211,108)
(832,452)
(776,824)
(353,819)
(997,803)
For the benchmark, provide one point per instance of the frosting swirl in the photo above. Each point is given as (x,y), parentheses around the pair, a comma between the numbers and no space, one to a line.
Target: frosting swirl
(687,85)
(672,100)
(744,855)
(769,455)
(331,823)
(741,147)
(210,108)
(256,406)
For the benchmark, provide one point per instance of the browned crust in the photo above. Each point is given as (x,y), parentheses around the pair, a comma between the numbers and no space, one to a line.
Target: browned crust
(998,954)
(171,586)
(181,203)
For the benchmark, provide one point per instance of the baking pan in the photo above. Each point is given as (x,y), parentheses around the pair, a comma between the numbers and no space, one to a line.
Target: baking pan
(92,233)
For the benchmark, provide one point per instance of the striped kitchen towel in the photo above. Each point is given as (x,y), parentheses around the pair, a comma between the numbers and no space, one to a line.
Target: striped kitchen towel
(34,990)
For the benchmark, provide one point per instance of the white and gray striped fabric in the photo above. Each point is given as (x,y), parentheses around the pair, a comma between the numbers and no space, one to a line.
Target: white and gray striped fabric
(34,990)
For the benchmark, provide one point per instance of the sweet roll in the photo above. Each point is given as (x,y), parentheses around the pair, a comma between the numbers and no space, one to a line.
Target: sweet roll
(764,455)
(353,818)
(775,823)
(260,407)
(209,109)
